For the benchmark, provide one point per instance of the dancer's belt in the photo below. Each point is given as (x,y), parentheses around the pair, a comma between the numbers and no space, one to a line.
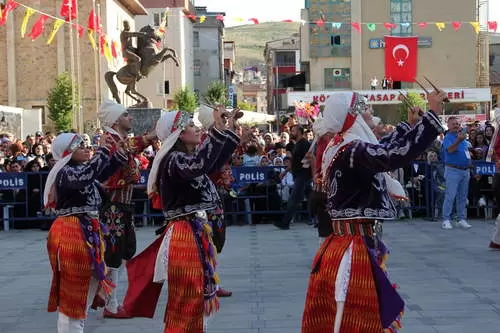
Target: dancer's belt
(353,227)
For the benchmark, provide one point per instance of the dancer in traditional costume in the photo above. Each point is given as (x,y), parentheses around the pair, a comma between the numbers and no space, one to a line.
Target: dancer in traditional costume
(494,155)
(184,258)
(117,213)
(348,287)
(75,241)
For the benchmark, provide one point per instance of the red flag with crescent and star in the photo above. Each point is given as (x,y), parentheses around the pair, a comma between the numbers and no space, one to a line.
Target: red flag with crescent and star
(401,55)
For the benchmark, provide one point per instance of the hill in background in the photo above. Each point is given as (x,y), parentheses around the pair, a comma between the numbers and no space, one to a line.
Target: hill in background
(251,40)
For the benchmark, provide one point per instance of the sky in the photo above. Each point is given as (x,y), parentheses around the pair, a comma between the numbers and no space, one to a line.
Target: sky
(277,10)
(264,10)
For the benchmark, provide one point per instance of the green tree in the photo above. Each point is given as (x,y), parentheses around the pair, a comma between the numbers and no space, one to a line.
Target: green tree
(185,99)
(415,100)
(244,105)
(60,103)
(216,93)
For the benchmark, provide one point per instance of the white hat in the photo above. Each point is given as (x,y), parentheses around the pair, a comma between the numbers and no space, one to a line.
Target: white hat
(168,129)
(62,154)
(109,112)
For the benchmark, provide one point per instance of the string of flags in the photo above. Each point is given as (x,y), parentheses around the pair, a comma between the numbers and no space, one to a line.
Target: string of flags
(492,26)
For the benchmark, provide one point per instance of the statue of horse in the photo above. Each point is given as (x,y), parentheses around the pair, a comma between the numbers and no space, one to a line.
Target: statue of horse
(150,55)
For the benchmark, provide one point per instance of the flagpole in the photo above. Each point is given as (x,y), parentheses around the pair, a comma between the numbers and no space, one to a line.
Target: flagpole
(72,62)
(96,69)
(98,42)
(79,75)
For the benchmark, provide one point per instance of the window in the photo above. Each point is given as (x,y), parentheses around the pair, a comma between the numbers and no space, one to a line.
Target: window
(158,19)
(41,107)
(402,15)
(284,59)
(196,39)
(337,15)
(197,67)
(337,78)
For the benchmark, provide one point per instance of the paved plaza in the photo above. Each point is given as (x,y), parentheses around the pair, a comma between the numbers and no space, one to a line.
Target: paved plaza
(449,279)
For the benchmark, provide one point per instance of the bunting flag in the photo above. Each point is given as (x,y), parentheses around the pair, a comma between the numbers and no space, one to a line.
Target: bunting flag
(9,6)
(219,17)
(163,25)
(476,26)
(440,26)
(254,20)
(202,18)
(38,28)
(107,51)
(493,26)
(356,26)
(422,25)
(24,25)
(55,29)
(320,23)
(102,43)
(456,25)
(371,26)
(94,22)
(90,34)
(69,9)
(390,26)
(79,29)
(114,48)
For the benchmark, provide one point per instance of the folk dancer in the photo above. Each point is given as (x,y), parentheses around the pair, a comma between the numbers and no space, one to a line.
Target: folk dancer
(117,213)
(494,155)
(348,287)
(184,257)
(75,241)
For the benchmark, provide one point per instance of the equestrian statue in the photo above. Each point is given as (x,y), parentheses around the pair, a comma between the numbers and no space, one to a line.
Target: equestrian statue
(140,61)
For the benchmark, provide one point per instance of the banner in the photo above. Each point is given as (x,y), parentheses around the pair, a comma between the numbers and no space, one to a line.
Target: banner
(12,181)
(401,58)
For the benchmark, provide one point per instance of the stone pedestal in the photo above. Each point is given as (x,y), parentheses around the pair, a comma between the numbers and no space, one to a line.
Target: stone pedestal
(144,120)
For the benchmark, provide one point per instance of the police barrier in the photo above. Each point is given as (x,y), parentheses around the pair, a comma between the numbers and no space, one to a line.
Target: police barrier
(256,191)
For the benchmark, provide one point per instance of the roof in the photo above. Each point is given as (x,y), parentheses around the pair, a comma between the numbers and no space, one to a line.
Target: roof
(134,7)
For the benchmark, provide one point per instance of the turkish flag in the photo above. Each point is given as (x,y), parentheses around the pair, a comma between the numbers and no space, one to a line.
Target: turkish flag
(69,9)
(401,55)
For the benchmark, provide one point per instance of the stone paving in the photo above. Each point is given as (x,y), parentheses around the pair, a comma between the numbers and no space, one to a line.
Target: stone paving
(449,280)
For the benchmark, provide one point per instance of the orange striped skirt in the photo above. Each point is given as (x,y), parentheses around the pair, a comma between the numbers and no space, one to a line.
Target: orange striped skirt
(71,267)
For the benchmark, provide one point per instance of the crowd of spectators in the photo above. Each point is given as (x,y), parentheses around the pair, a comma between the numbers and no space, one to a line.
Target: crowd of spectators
(423,180)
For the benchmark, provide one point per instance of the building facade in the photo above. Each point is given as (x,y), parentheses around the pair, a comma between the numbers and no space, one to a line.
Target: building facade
(28,69)
(208,50)
(494,61)
(162,83)
(283,62)
(340,58)
(254,94)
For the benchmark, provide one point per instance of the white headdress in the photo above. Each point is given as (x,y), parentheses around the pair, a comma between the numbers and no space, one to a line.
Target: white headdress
(491,149)
(109,112)
(62,152)
(168,129)
(342,114)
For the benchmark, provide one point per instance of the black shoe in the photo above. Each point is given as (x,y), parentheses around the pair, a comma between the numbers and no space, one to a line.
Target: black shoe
(282,227)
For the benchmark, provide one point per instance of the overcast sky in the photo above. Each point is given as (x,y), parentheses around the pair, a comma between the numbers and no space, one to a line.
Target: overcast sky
(277,10)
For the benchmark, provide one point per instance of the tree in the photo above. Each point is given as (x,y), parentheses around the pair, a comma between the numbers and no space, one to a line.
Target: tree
(244,105)
(415,100)
(216,93)
(185,100)
(60,103)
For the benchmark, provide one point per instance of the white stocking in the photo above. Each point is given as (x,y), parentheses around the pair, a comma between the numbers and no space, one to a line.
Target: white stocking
(66,324)
(112,303)
(342,286)
(496,233)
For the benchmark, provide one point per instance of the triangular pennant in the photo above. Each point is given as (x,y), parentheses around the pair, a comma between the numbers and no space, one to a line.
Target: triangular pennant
(456,25)
(254,20)
(476,26)
(422,25)
(405,25)
(320,23)
(371,26)
(9,6)
(202,18)
(24,25)
(336,25)
(356,26)
(287,21)
(220,17)
(79,29)
(238,19)
(114,51)
(57,24)
(389,26)
(90,34)
(38,28)
(493,26)
(440,25)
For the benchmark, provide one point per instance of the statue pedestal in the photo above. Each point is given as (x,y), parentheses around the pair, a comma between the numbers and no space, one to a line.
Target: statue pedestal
(144,120)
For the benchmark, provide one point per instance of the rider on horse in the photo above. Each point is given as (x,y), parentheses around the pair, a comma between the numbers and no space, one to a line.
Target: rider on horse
(129,51)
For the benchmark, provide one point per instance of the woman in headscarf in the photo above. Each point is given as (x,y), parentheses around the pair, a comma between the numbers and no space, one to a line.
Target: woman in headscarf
(348,288)
(75,240)
(185,256)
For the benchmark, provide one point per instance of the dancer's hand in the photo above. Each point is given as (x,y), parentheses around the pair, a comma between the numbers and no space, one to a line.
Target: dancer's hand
(436,100)
(233,118)
(220,117)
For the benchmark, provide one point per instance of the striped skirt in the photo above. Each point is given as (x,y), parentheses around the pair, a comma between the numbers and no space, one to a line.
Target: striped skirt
(352,258)
(71,267)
